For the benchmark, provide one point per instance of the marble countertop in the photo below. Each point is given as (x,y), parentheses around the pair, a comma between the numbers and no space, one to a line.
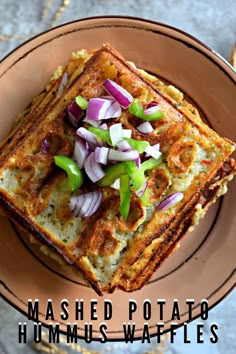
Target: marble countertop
(211,21)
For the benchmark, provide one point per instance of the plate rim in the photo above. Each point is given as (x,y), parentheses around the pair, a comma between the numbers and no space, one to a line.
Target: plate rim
(223,63)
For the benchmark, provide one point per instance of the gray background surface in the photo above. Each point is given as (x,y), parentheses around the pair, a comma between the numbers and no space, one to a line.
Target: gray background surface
(213,22)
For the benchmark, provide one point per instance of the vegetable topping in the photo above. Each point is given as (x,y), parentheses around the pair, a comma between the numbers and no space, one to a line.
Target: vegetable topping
(103,108)
(149,114)
(75,176)
(123,97)
(85,204)
(172,199)
(124,196)
(108,155)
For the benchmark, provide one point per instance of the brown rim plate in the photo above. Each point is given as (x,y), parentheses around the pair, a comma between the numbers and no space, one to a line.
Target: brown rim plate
(204,266)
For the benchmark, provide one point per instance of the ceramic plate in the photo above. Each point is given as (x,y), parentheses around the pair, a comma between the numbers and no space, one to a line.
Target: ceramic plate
(204,265)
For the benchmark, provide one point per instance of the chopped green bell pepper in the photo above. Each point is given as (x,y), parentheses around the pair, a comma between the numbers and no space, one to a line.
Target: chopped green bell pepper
(75,177)
(150,164)
(139,145)
(101,134)
(137,176)
(112,173)
(138,179)
(81,102)
(146,198)
(137,110)
(124,196)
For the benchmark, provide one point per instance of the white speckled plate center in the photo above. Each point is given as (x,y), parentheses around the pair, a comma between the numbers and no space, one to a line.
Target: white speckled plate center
(204,266)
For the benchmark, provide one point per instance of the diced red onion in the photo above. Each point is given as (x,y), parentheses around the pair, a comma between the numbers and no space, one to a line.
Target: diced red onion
(140,192)
(45,148)
(145,128)
(80,152)
(172,199)
(123,97)
(102,108)
(156,147)
(88,136)
(75,113)
(97,108)
(151,110)
(86,204)
(116,133)
(116,155)
(104,126)
(153,151)
(90,146)
(76,203)
(96,203)
(116,184)
(152,104)
(137,162)
(93,123)
(127,133)
(93,169)
(124,146)
(101,154)
(63,83)
(73,203)
(114,111)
